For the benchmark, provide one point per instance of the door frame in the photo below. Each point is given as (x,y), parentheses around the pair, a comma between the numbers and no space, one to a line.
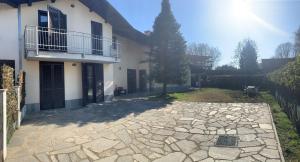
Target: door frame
(95,40)
(135,89)
(63,77)
(97,69)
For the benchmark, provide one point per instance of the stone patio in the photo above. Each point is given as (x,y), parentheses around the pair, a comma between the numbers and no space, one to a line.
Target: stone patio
(144,131)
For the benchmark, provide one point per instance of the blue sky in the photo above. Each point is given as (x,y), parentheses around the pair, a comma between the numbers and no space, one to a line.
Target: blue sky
(222,23)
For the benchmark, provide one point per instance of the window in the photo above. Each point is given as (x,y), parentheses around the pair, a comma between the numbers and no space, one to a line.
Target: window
(114,42)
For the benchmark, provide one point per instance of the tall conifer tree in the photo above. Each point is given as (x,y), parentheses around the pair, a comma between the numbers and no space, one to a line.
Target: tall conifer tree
(169,63)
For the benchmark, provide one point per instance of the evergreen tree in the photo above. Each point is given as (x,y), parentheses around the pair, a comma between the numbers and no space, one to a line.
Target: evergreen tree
(297,42)
(169,63)
(246,53)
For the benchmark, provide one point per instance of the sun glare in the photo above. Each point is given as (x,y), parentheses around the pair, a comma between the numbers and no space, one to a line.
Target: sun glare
(241,9)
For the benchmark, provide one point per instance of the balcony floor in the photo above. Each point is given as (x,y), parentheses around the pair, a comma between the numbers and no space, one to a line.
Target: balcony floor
(64,56)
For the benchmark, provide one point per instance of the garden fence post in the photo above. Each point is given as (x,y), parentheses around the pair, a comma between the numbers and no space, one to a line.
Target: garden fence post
(3,140)
(19,117)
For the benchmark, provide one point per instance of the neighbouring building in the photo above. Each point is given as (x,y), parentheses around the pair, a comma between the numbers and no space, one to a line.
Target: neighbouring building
(270,65)
(74,52)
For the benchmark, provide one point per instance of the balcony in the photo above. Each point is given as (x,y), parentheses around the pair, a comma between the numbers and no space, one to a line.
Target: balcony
(49,44)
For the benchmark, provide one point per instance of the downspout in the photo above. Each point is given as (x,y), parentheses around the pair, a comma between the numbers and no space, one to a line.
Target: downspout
(20,38)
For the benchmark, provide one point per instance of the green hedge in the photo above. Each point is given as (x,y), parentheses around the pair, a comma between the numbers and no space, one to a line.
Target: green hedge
(234,82)
(7,82)
(288,76)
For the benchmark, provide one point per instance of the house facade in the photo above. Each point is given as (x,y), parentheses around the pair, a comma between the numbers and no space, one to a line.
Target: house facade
(74,52)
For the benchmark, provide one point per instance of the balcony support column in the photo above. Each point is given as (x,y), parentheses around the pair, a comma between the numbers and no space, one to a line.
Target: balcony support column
(20,41)
(37,40)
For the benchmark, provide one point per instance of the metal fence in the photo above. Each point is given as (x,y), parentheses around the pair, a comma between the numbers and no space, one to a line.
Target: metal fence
(71,42)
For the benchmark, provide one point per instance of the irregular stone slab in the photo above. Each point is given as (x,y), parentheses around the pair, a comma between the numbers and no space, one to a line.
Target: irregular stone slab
(100,145)
(247,137)
(108,159)
(90,154)
(140,158)
(252,149)
(163,132)
(231,132)
(74,157)
(180,129)
(196,131)
(208,160)
(126,151)
(23,159)
(270,153)
(186,146)
(212,113)
(170,140)
(63,158)
(66,150)
(265,126)
(244,130)
(224,153)
(53,158)
(43,157)
(124,136)
(81,154)
(186,119)
(125,159)
(172,157)
(199,155)
(144,131)
(245,159)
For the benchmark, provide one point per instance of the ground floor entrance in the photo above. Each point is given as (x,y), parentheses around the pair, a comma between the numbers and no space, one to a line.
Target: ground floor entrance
(92,83)
(131,80)
(52,86)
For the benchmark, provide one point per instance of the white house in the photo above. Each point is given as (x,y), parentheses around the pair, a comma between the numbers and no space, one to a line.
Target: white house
(74,52)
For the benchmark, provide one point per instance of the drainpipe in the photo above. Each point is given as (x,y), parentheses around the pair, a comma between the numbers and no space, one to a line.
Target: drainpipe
(20,38)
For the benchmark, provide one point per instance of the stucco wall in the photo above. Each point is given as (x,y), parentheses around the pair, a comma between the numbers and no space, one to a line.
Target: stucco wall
(108,72)
(32,82)
(9,49)
(132,56)
(78,19)
(73,81)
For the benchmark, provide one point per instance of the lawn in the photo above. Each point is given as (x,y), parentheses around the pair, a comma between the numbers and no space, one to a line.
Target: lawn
(289,139)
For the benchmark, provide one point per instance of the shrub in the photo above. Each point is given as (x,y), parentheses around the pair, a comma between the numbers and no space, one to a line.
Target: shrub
(288,76)
(7,82)
(235,82)
(21,83)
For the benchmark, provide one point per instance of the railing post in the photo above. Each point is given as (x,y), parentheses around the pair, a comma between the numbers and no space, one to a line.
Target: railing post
(37,40)
(3,124)
(19,117)
(82,47)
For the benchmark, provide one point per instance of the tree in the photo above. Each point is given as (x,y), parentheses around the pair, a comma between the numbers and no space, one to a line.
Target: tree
(169,62)
(285,50)
(297,42)
(202,49)
(246,54)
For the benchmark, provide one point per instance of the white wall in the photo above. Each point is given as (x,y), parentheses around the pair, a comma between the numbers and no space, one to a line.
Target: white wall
(9,49)
(108,72)
(78,19)
(131,54)
(73,81)
(32,82)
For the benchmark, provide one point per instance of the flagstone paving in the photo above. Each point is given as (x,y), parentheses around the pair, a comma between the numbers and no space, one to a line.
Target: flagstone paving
(145,131)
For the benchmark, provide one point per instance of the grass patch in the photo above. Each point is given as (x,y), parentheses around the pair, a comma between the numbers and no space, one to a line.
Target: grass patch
(289,139)
(214,95)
